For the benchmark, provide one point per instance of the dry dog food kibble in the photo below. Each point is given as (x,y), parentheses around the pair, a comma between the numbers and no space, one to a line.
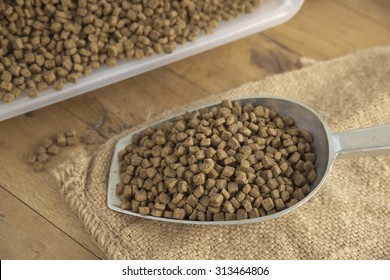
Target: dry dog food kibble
(229,162)
(51,42)
(50,147)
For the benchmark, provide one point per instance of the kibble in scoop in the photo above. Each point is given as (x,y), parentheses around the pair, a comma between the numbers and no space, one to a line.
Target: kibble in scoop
(229,162)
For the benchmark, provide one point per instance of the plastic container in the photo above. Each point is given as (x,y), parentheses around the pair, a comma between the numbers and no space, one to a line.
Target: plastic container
(269,14)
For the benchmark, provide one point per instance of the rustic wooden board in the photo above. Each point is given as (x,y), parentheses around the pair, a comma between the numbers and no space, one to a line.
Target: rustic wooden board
(27,235)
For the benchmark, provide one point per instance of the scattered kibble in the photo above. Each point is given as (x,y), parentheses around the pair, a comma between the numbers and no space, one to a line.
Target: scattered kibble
(229,162)
(50,147)
(50,43)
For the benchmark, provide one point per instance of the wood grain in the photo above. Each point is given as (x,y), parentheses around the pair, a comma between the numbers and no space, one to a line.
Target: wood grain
(242,61)
(30,236)
(325,29)
(35,222)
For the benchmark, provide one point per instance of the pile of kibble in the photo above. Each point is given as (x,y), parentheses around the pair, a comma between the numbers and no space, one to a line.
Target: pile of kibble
(51,42)
(51,146)
(229,162)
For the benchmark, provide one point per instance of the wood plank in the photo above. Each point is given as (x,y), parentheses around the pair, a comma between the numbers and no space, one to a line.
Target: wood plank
(231,65)
(326,29)
(18,138)
(377,10)
(133,100)
(25,234)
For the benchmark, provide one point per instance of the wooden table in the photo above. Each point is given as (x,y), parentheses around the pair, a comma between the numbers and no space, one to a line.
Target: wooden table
(35,222)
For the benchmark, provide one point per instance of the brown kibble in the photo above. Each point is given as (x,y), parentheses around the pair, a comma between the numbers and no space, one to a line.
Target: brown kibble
(267,162)
(7,86)
(41,150)
(168,214)
(233,143)
(199,191)
(242,214)
(192,200)
(47,142)
(241,178)
(206,167)
(182,186)
(119,188)
(159,206)
(144,210)
(157,213)
(216,198)
(267,204)
(288,121)
(298,194)
(306,135)
(37,166)
(228,207)
(176,199)
(178,213)
(247,205)
(164,198)
(126,204)
(310,157)
(140,195)
(273,183)
(279,204)
(151,172)
(199,179)
(6,76)
(42,158)
(292,202)
(219,216)
(254,213)
(311,177)
(254,192)
(228,171)
(70,133)
(61,140)
(31,159)
(53,150)
(240,196)
(71,141)
(298,178)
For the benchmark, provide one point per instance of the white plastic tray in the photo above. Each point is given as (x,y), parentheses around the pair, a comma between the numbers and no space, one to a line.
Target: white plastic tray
(270,14)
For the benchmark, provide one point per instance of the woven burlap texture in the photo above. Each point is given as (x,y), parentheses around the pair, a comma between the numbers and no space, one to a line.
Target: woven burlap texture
(348,218)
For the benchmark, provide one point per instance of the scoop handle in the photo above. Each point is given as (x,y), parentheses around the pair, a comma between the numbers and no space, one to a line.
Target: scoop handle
(371,141)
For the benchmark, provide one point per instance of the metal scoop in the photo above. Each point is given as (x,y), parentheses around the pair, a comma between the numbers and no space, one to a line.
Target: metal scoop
(326,145)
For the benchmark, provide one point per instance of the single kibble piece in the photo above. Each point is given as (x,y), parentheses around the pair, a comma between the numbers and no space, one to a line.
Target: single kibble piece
(267,204)
(242,214)
(61,140)
(279,204)
(216,198)
(144,210)
(53,150)
(254,213)
(298,194)
(228,171)
(219,216)
(31,159)
(37,166)
(42,158)
(164,198)
(199,179)
(178,213)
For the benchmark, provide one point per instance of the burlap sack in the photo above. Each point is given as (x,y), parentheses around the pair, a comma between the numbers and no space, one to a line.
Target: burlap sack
(347,219)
